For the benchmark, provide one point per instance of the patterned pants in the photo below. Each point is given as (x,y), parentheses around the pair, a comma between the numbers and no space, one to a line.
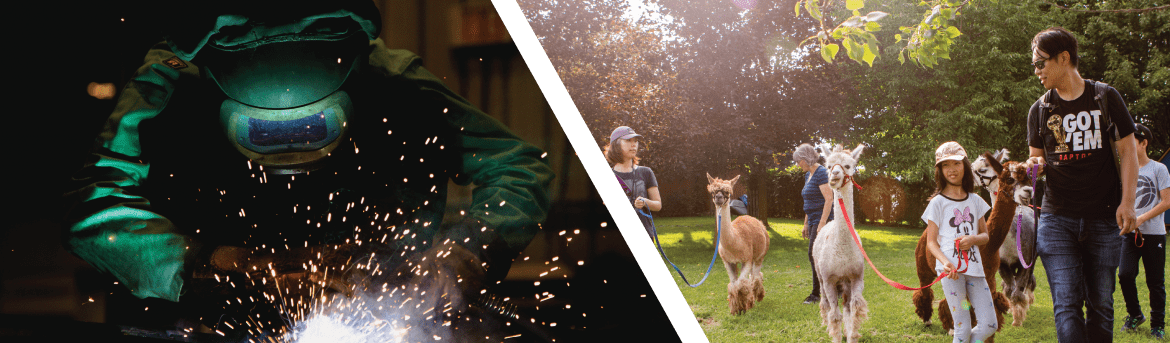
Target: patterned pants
(964,293)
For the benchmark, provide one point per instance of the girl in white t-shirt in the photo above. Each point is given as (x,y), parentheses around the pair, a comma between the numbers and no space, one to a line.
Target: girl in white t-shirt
(954,228)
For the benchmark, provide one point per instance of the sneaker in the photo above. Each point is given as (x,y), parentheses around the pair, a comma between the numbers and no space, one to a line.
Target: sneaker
(1132,322)
(1159,333)
(813,299)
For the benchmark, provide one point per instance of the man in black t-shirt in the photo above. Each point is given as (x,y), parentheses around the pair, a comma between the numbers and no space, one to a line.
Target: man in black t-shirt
(1070,137)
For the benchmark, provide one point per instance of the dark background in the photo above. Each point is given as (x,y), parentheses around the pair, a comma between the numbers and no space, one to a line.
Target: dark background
(57,50)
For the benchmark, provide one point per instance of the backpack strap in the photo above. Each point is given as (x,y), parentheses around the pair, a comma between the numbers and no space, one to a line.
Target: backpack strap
(1045,106)
(1101,96)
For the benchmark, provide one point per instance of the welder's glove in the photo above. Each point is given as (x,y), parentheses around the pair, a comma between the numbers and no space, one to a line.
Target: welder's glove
(442,280)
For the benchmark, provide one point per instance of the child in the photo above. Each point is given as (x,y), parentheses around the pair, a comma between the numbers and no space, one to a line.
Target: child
(1153,198)
(955,213)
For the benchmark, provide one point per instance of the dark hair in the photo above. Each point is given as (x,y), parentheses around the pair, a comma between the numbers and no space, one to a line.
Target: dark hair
(940,181)
(613,152)
(1141,132)
(1056,40)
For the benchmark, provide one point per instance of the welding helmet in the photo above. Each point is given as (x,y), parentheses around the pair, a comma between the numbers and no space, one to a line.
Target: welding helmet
(282,75)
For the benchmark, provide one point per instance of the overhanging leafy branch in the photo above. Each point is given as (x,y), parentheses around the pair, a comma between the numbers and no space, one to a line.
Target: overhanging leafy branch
(855,33)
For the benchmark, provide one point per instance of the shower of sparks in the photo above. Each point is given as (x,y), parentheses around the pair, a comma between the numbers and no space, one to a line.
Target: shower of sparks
(344,328)
(347,302)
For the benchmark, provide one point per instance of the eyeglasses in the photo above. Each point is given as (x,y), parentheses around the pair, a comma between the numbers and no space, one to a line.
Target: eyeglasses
(1039,64)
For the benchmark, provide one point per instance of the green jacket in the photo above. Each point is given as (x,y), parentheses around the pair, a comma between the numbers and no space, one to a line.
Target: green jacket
(164,184)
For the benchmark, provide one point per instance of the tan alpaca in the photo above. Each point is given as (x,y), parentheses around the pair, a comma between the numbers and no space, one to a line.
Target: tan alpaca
(742,246)
(840,265)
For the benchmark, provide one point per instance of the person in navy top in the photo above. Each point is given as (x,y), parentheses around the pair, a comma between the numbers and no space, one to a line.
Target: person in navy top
(818,206)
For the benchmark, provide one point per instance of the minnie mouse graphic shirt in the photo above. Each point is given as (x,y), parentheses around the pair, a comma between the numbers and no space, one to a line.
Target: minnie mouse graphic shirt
(957,218)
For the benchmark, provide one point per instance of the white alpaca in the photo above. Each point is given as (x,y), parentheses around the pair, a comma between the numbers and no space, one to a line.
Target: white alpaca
(840,265)
(986,168)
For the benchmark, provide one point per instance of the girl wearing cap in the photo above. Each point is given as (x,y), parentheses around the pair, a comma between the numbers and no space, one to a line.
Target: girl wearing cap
(953,218)
(640,183)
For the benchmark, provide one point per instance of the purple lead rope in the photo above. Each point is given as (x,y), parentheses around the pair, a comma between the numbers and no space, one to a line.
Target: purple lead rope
(1033,172)
(1019,250)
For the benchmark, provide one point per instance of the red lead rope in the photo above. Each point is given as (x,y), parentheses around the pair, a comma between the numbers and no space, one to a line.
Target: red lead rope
(893,283)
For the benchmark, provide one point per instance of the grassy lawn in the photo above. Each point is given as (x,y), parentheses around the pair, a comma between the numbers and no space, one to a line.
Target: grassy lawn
(781,317)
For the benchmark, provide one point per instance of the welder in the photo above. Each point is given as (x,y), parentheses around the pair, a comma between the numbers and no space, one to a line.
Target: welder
(262,134)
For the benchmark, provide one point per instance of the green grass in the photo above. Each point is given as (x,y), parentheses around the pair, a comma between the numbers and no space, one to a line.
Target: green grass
(781,317)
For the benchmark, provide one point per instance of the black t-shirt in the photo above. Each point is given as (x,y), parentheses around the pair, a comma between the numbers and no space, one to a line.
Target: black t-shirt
(1083,179)
(637,182)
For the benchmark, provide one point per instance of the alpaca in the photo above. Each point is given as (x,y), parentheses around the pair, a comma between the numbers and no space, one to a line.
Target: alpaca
(742,246)
(986,170)
(987,167)
(1018,282)
(840,265)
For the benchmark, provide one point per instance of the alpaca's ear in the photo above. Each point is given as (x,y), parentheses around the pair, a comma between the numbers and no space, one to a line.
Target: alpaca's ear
(1003,155)
(994,162)
(736,179)
(710,179)
(857,152)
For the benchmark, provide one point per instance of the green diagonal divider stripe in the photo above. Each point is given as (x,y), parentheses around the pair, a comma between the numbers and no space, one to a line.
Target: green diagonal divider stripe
(571,121)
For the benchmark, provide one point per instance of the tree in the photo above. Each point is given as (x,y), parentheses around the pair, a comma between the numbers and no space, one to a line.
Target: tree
(981,97)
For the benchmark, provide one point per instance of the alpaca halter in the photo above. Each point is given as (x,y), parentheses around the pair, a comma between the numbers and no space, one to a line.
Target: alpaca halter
(847,177)
(985,181)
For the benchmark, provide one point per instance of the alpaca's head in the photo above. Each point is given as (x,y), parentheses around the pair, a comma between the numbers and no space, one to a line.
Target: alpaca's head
(987,168)
(720,189)
(1016,181)
(842,165)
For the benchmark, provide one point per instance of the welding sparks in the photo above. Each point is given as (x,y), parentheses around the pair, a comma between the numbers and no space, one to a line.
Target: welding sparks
(333,328)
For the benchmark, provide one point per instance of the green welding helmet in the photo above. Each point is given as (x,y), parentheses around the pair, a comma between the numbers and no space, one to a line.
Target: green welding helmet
(285,106)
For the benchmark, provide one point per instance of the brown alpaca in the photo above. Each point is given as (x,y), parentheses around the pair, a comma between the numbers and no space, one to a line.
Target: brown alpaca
(1012,180)
(742,246)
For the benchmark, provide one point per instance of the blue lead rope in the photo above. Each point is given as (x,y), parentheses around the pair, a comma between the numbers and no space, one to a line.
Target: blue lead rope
(718,231)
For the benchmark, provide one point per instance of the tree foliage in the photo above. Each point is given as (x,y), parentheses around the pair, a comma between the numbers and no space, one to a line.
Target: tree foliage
(981,97)
(710,87)
(717,88)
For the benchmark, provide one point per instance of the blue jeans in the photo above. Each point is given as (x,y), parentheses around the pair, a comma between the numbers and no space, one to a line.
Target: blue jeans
(1153,256)
(1081,258)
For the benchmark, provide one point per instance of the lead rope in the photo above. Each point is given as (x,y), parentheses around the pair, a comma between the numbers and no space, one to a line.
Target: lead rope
(718,232)
(1033,172)
(856,239)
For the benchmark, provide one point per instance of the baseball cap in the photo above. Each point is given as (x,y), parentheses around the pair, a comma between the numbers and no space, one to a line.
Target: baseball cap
(1141,132)
(622,132)
(949,151)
